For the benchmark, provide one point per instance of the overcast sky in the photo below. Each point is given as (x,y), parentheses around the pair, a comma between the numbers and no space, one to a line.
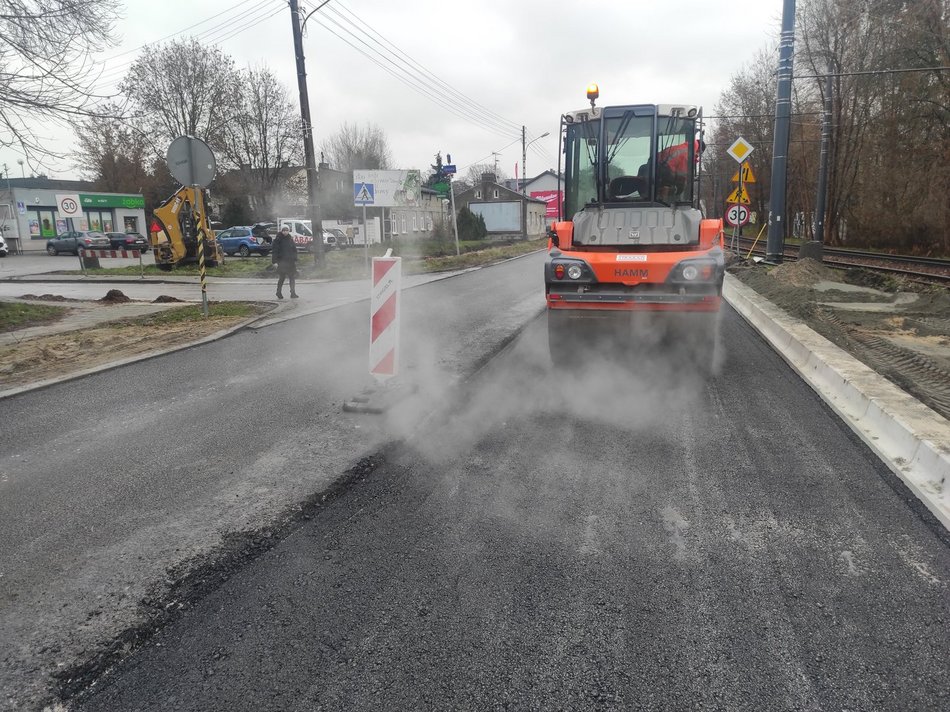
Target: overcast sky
(498,64)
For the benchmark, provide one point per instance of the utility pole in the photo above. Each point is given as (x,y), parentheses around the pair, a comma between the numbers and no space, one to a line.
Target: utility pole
(307,127)
(775,246)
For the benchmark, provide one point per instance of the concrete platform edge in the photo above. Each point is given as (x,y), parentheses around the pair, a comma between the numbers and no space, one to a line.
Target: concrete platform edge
(910,438)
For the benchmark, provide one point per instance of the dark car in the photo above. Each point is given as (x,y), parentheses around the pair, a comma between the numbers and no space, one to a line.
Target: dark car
(77,239)
(128,241)
(241,240)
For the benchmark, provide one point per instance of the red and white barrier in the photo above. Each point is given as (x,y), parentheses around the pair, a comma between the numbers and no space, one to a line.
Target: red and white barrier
(110,253)
(384,317)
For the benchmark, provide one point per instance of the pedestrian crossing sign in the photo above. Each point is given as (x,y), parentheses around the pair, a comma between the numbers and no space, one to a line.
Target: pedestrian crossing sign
(739,196)
(364,194)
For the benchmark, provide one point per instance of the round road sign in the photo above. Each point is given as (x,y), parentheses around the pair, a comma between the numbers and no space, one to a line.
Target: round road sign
(190,161)
(737,215)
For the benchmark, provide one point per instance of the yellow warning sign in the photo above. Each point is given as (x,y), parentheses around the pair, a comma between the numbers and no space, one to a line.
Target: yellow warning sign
(747,175)
(737,196)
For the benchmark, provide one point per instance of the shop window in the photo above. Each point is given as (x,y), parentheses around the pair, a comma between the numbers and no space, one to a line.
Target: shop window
(43,224)
(99,220)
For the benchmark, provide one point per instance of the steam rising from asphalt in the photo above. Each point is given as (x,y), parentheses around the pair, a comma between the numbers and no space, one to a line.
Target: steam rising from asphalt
(634,384)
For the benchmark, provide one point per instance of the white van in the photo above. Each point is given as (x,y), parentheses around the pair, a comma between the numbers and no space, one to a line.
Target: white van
(300,230)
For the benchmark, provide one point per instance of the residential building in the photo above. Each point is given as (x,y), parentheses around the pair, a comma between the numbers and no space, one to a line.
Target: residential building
(507,213)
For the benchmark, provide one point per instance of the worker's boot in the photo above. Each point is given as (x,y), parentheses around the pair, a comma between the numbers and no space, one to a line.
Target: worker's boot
(279,295)
(293,295)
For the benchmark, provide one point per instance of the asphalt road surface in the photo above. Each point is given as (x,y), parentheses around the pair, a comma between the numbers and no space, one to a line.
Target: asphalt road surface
(615,537)
(115,486)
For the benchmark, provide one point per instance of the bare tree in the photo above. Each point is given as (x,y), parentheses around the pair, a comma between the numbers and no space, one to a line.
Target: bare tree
(263,138)
(474,173)
(45,67)
(111,152)
(183,88)
(353,147)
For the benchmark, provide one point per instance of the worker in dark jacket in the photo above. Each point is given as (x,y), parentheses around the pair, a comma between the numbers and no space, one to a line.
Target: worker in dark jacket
(284,255)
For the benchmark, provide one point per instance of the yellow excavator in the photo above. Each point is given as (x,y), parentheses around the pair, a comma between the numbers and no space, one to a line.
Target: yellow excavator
(175,231)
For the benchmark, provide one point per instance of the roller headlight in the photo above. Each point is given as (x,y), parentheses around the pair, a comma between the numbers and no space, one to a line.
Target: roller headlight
(574,272)
(690,272)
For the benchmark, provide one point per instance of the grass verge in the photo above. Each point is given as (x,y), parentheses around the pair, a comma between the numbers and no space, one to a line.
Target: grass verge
(14,315)
(193,312)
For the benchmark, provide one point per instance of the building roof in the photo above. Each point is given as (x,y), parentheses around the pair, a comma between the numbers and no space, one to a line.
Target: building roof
(510,194)
(44,183)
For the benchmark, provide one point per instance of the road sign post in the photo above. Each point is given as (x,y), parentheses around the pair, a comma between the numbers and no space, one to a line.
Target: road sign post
(191,163)
(740,151)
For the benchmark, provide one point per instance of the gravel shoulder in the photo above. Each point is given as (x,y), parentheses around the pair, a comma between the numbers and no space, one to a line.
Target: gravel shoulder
(896,327)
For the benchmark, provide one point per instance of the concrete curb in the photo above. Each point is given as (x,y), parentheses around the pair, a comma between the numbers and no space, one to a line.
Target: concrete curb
(910,438)
(37,385)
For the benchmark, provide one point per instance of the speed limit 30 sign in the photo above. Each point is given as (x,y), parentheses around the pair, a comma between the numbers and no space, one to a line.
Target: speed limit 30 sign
(737,215)
(69,205)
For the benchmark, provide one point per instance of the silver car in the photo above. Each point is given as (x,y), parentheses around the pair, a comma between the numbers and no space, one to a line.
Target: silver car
(78,240)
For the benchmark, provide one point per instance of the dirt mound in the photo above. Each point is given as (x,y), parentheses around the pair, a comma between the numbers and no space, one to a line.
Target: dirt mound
(48,298)
(165,299)
(803,273)
(115,296)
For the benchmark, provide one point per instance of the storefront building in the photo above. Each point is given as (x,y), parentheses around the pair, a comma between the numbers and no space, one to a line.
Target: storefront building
(29,214)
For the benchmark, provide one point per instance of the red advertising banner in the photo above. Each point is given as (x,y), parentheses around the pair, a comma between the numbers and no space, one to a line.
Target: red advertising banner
(552,197)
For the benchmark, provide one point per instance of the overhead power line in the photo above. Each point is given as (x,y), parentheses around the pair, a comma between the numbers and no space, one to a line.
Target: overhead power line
(356,32)
(221,32)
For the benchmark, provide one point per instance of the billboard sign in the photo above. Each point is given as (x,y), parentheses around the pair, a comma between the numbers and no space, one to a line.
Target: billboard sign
(391,189)
(553,199)
(499,217)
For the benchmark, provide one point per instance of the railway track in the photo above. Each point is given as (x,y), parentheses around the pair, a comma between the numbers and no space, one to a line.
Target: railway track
(932,270)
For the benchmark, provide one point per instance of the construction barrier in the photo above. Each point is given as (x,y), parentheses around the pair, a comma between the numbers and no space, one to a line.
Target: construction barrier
(110,253)
(85,254)
(384,317)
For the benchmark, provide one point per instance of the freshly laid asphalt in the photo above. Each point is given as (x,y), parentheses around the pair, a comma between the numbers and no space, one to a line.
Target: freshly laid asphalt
(616,538)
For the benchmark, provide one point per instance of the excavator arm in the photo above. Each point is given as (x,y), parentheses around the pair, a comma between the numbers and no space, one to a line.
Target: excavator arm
(176,227)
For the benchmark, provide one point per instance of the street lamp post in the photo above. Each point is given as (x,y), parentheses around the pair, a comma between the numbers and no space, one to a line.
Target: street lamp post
(524,178)
(524,157)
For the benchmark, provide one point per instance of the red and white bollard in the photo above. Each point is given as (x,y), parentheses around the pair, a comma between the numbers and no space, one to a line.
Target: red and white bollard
(384,318)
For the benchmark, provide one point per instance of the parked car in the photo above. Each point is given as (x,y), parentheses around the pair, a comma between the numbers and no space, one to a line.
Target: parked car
(331,239)
(128,241)
(3,247)
(241,240)
(76,240)
(340,238)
